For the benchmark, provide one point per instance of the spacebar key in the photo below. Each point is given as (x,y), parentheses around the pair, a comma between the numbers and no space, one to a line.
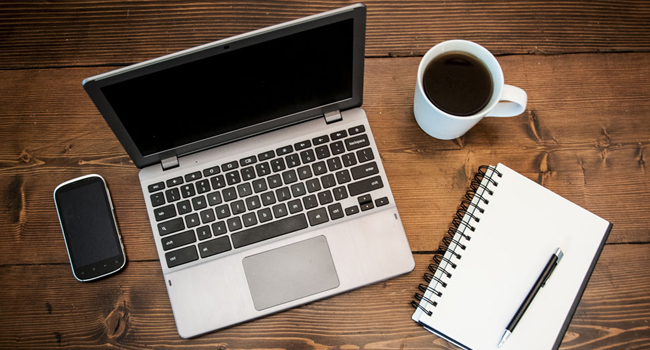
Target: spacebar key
(264,232)
(364,186)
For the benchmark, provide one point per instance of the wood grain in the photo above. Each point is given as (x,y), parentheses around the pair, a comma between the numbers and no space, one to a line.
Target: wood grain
(131,310)
(80,33)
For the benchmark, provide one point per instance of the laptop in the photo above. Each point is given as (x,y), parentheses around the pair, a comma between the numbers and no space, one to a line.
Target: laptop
(259,170)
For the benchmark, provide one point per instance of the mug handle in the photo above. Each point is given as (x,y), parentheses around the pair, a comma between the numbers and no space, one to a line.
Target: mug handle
(512,102)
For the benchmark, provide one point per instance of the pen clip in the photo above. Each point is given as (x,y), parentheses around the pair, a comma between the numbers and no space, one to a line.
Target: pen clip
(559,255)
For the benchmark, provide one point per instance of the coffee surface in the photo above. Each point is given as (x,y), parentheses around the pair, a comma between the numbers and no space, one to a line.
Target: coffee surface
(458,83)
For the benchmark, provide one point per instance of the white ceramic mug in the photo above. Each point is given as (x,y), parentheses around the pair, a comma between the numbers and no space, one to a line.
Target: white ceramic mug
(506,100)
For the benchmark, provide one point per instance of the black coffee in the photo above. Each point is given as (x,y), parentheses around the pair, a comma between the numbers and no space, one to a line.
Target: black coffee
(458,83)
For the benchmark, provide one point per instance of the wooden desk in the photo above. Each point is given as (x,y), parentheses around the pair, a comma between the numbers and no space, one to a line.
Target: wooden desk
(584,135)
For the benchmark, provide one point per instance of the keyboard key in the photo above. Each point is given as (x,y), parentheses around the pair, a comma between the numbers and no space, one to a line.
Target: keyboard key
(237,207)
(336,211)
(310,201)
(364,186)
(181,256)
(284,150)
(283,194)
(338,135)
(356,130)
(304,172)
(339,193)
(343,176)
(259,185)
(157,199)
(211,171)
(165,212)
(264,215)
(249,219)
(381,201)
(307,156)
(367,206)
(171,226)
(233,178)
(319,168)
(357,142)
(214,198)
(215,246)
(172,194)
(298,189)
(244,190)
(229,194)
(223,211)
(289,177)
(188,190)
(325,197)
(293,160)
(193,176)
(175,181)
(178,240)
(317,216)
(280,210)
(207,216)
(365,155)
(248,173)
(313,185)
(263,169)
(334,164)
(248,161)
(270,230)
(192,220)
(351,210)
(156,187)
(219,228)
(234,224)
(183,207)
(366,198)
(275,181)
(337,148)
(295,206)
(302,145)
(265,155)
(203,232)
(349,159)
(230,166)
(268,198)
(322,152)
(203,186)
(320,140)
(328,181)
(199,203)
(218,182)
(364,170)
(278,165)
(253,203)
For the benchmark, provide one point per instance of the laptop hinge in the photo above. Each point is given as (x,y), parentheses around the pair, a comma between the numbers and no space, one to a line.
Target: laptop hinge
(333,116)
(169,163)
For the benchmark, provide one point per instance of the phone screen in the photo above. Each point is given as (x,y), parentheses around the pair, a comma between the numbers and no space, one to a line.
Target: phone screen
(89,228)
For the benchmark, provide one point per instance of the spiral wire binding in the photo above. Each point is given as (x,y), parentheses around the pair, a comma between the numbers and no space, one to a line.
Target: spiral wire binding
(469,210)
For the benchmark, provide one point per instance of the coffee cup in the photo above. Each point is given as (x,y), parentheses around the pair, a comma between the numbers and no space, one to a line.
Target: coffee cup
(459,83)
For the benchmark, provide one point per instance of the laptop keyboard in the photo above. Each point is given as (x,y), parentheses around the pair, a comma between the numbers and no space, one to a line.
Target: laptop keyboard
(273,193)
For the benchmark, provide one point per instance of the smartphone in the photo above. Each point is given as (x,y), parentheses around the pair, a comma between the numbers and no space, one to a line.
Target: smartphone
(89,228)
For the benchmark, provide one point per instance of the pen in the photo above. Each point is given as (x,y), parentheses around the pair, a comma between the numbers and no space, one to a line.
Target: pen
(541,281)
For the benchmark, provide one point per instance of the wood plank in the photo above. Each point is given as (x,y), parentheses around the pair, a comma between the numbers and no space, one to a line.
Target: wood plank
(575,140)
(131,309)
(78,33)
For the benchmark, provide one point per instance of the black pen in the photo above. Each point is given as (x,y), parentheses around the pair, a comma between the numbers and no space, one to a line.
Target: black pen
(541,281)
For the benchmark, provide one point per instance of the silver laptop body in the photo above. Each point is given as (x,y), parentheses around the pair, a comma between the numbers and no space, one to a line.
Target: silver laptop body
(261,177)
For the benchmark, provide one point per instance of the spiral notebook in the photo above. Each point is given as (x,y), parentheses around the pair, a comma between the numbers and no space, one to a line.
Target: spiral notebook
(500,240)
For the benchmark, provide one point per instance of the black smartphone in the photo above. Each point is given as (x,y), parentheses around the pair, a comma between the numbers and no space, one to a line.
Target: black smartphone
(89,228)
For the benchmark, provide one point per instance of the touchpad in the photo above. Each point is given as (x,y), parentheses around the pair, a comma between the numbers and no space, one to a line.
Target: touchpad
(291,272)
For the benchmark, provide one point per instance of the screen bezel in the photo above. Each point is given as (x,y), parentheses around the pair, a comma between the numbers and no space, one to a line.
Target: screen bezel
(93,85)
(100,268)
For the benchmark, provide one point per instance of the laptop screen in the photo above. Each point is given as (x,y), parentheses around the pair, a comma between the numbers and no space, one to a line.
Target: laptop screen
(236,88)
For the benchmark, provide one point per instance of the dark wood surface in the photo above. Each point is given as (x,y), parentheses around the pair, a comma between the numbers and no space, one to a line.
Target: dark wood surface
(585,135)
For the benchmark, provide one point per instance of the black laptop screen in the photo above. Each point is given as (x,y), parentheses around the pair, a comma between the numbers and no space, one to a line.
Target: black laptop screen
(233,88)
